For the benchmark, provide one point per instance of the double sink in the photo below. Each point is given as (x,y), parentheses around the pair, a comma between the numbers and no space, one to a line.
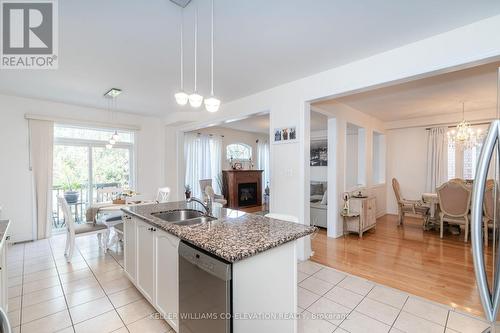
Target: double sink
(184,217)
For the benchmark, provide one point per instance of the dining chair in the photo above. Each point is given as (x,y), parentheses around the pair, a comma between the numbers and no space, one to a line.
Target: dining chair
(283,217)
(106,194)
(488,209)
(454,202)
(406,206)
(74,230)
(163,194)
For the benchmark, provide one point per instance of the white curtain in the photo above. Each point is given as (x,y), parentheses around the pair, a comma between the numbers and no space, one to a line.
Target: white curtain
(41,149)
(203,161)
(263,161)
(436,158)
(216,158)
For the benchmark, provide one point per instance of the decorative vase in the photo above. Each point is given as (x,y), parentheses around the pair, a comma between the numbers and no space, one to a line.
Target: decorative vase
(71,197)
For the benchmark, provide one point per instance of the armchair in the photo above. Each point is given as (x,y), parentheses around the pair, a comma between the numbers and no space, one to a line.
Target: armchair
(208,192)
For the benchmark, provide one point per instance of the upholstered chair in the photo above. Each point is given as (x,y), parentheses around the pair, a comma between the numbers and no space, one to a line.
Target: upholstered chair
(406,206)
(214,198)
(454,202)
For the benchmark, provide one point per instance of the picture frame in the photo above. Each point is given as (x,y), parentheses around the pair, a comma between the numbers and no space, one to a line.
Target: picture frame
(319,152)
(285,135)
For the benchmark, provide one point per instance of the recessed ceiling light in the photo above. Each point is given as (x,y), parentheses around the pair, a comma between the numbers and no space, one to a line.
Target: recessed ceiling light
(113,92)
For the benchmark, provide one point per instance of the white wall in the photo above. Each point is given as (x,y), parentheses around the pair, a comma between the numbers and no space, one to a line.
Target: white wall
(379,158)
(407,162)
(231,136)
(15,178)
(351,160)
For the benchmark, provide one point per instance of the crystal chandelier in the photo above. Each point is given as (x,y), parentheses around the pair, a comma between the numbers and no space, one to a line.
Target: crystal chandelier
(464,136)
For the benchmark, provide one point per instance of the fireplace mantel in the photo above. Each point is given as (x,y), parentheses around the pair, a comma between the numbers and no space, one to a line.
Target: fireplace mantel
(243,188)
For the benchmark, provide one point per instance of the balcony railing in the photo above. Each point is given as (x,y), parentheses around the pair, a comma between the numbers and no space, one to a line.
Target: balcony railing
(79,207)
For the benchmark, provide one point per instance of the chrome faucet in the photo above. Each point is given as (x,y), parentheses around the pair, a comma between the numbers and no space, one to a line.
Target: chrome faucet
(207,206)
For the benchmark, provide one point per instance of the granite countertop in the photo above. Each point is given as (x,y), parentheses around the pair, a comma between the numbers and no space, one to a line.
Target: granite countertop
(234,236)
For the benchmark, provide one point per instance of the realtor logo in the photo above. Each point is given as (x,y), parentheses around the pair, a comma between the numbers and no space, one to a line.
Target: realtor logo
(29,34)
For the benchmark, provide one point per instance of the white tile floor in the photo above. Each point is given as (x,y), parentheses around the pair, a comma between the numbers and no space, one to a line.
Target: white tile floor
(92,294)
(333,301)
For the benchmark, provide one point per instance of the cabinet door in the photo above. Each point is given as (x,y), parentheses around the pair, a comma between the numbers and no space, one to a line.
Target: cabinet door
(145,260)
(372,212)
(130,247)
(167,277)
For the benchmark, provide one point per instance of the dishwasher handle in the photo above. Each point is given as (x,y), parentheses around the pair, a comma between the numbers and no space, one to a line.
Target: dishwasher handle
(4,322)
(210,264)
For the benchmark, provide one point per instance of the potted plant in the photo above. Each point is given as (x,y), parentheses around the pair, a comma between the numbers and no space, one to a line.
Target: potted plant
(71,193)
(187,191)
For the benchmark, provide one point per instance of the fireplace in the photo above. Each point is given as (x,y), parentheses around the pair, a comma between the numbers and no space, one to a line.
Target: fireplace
(247,194)
(242,188)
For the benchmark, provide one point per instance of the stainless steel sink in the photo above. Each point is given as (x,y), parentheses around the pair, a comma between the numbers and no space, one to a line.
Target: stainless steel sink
(178,215)
(196,221)
(184,217)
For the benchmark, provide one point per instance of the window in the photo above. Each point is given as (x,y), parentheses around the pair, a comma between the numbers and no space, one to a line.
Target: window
(451,161)
(82,163)
(462,163)
(239,151)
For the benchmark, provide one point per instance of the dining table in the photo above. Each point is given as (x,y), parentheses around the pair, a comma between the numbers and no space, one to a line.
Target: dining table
(110,213)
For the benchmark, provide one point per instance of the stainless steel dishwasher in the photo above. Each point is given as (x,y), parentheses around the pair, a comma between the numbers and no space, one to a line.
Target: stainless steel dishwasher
(204,292)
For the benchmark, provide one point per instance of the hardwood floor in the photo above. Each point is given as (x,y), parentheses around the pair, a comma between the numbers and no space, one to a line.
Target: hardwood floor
(409,259)
(253,210)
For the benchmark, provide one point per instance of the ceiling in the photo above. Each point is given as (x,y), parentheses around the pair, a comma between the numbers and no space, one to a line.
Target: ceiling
(260,123)
(438,95)
(259,44)
(257,124)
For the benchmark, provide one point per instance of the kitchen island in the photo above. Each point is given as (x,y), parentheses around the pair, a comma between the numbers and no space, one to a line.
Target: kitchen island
(260,252)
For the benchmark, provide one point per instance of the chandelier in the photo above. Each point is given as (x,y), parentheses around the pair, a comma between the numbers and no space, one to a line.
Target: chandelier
(464,136)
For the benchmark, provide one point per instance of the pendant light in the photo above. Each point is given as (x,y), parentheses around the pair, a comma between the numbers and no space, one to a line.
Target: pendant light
(212,104)
(115,137)
(195,99)
(181,97)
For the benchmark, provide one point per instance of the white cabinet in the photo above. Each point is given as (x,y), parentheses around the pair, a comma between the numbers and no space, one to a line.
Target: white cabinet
(152,264)
(130,247)
(367,219)
(145,259)
(167,278)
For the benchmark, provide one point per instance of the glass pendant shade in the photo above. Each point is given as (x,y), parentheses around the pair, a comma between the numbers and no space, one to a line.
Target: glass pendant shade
(195,100)
(115,136)
(212,104)
(181,98)
(109,146)
(112,141)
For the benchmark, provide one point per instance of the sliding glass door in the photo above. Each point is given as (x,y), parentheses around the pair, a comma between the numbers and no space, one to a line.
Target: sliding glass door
(83,163)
